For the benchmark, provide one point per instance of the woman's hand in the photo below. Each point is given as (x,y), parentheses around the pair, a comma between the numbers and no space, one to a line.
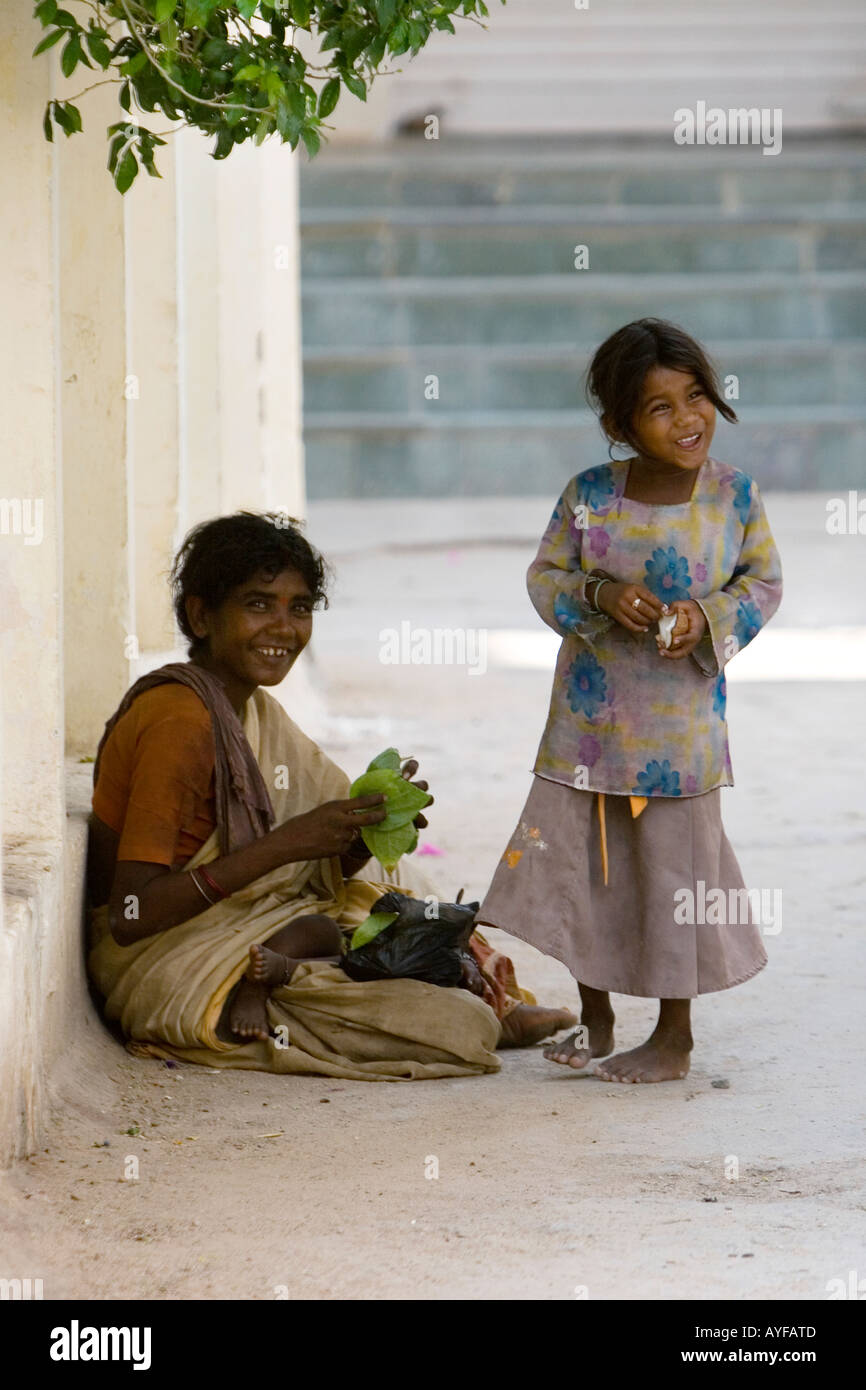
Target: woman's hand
(332,828)
(408,770)
(683,642)
(631,605)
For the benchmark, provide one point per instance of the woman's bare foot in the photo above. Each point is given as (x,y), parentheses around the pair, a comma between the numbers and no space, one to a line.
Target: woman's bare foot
(663,1057)
(528,1023)
(267,969)
(575,1051)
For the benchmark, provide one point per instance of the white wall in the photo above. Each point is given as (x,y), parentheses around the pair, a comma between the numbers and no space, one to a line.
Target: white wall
(190,285)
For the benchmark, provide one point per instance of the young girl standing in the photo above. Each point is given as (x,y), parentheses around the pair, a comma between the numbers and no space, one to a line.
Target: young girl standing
(623,821)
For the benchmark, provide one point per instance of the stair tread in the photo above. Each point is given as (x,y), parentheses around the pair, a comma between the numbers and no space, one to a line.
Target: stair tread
(438,419)
(528,215)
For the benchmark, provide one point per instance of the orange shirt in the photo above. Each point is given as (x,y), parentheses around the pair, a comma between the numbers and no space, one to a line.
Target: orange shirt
(156,777)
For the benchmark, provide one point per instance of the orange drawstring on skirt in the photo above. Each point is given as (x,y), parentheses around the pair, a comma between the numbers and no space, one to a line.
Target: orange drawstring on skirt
(637,804)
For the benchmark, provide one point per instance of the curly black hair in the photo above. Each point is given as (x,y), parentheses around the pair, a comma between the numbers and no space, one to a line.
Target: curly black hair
(619,369)
(217,556)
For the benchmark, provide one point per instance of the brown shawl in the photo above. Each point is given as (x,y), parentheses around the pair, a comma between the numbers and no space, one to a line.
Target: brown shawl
(243,805)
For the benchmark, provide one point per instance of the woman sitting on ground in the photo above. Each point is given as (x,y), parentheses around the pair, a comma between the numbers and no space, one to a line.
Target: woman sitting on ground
(226,860)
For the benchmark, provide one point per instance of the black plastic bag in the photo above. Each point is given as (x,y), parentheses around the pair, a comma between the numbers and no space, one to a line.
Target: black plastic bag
(414,946)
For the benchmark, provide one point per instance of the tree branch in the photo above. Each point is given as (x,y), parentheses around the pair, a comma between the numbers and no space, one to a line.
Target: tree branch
(200,101)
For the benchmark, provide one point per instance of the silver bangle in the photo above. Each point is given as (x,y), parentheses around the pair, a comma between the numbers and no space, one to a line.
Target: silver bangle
(208,899)
(598,580)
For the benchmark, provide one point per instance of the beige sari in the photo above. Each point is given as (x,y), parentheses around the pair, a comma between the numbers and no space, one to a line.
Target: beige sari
(167,992)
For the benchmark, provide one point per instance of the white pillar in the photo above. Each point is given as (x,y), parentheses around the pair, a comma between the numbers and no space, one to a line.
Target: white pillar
(153,369)
(98,617)
(29,474)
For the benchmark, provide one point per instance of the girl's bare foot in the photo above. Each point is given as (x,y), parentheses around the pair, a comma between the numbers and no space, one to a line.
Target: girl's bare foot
(267,969)
(528,1023)
(663,1057)
(576,1050)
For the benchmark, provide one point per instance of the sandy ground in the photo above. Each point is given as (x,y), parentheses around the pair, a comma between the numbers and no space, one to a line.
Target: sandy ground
(550,1184)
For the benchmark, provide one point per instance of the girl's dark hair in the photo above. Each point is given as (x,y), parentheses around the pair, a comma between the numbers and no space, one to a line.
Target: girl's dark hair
(217,556)
(619,368)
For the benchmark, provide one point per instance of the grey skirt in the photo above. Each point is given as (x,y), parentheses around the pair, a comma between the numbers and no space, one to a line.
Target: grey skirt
(648,931)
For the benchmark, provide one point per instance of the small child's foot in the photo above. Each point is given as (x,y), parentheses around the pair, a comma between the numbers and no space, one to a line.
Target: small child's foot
(249,1015)
(269,967)
(527,1024)
(580,1048)
(664,1058)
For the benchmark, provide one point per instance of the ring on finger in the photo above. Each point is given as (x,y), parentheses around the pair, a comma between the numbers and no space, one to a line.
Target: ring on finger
(636,603)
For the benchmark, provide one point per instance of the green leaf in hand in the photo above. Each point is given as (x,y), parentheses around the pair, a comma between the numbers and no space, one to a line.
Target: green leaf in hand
(390,758)
(369,930)
(403,801)
(396,835)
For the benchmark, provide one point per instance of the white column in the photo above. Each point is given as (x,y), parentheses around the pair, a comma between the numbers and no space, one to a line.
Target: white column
(98,619)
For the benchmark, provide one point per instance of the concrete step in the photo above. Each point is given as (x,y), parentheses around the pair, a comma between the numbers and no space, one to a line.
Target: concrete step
(550,376)
(542,241)
(502,454)
(471,174)
(584,308)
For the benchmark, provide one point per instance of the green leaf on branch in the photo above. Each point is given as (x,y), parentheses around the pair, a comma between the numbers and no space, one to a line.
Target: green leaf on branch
(385,12)
(263,129)
(99,49)
(72,55)
(301,13)
(46,124)
(248,73)
(134,65)
(46,11)
(297,99)
(126,172)
(371,928)
(224,143)
(67,116)
(48,41)
(355,85)
(311,139)
(164,10)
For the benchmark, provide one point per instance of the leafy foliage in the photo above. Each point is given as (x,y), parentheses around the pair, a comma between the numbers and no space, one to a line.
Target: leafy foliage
(397,834)
(233,71)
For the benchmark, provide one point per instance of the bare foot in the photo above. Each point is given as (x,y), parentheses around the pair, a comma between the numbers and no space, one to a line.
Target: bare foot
(660,1058)
(267,969)
(594,1040)
(528,1023)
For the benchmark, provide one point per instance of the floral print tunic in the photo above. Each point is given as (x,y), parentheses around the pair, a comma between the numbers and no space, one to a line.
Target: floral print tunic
(622,719)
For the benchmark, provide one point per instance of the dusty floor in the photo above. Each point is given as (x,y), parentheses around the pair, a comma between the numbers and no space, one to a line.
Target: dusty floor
(550,1184)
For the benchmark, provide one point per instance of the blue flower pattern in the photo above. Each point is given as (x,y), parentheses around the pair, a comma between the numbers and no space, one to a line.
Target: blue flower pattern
(667,575)
(597,488)
(587,687)
(568,612)
(742,485)
(658,779)
(720,695)
(749,622)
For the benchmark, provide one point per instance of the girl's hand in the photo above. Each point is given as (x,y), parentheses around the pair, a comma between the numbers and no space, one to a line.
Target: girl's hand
(684,642)
(631,605)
